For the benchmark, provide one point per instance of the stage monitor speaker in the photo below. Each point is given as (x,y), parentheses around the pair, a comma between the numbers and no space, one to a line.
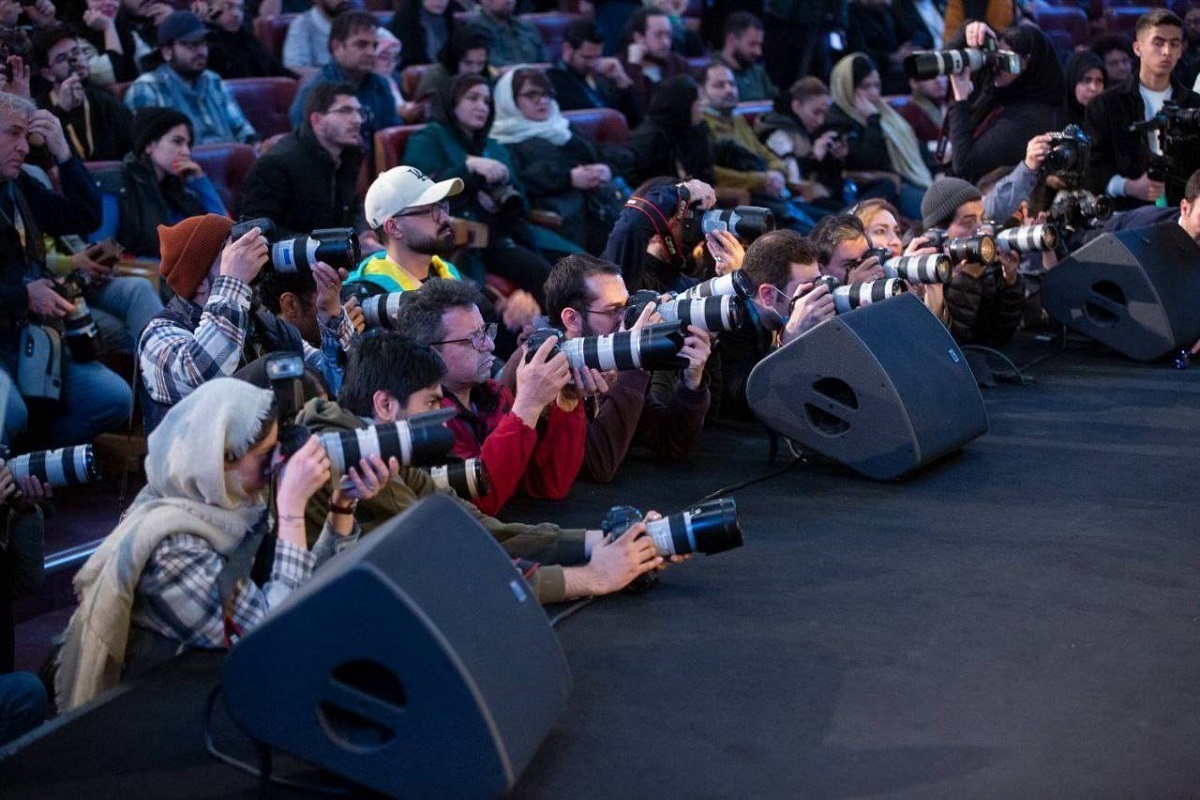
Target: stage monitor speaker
(420,663)
(883,390)
(1137,291)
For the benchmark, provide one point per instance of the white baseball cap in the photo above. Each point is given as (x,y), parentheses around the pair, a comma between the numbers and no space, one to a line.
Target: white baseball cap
(404,187)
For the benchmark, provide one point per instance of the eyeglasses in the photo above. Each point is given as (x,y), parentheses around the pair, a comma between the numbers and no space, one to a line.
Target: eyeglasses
(67,57)
(604,312)
(435,210)
(348,111)
(478,339)
(536,95)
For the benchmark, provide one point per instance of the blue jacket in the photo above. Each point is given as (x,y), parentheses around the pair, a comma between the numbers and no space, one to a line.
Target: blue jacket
(373,92)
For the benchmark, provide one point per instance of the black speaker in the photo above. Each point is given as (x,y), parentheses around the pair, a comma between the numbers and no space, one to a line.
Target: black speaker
(419,663)
(883,389)
(1137,291)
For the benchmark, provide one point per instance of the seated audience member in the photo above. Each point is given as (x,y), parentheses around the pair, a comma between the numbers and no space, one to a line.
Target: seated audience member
(114,45)
(995,113)
(983,303)
(143,17)
(812,155)
(872,30)
(925,110)
(97,126)
(458,144)
(882,144)
(841,242)
(561,169)
(157,184)
(673,138)
(210,328)
(352,42)
(466,52)
(389,378)
(93,398)
(1084,74)
(181,82)
(684,41)
(514,41)
(1116,50)
(1189,208)
(648,59)
(798,35)
(506,430)
(233,50)
(175,573)
(387,59)
(1120,161)
(584,78)
(423,28)
(306,46)
(1188,68)
(663,411)
(741,51)
(783,265)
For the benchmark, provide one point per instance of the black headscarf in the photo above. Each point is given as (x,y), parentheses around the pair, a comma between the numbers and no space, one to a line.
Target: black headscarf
(1077,66)
(459,43)
(671,110)
(442,110)
(1040,81)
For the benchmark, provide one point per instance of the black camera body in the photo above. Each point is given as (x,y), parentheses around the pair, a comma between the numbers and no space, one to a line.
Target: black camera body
(337,247)
(1068,153)
(1079,210)
(711,527)
(81,333)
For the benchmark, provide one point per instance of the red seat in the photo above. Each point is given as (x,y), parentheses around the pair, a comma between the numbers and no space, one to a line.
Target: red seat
(697,64)
(225,165)
(601,125)
(271,31)
(410,79)
(1123,19)
(265,102)
(552,25)
(753,109)
(390,144)
(1067,26)
(119,89)
(897,101)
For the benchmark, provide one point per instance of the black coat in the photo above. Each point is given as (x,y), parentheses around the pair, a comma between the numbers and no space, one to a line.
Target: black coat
(572,91)
(872,30)
(112,125)
(1001,140)
(984,310)
(299,187)
(868,146)
(1118,151)
(241,55)
(144,204)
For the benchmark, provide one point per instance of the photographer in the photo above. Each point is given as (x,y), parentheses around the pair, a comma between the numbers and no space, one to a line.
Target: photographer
(841,242)
(389,378)
(660,411)
(210,328)
(1128,165)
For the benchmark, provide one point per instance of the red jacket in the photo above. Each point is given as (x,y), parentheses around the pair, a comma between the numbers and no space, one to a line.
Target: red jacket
(543,463)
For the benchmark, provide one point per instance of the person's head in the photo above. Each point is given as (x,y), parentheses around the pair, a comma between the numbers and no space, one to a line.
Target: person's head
(1158,42)
(585,295)
(1191,24)
(582,46)
(183,44)
(778,262)
(743,39)
(15,113)
(58,54)
(952,204)
(864,81)
(678,104)
(809,101)
(470,104)
(841,241)
(162,138)
(466,52)
(672,8)
(1189,207)
(335,116)
(1085,79)
(651,29)
(228,15)
(389,377)
(191,254)
(409,212)
(387,55)
(1117,52)
(444,314)
(881,221)
(500,9)
(292,296)
(353,38)
(10,12)
(933,89)
(719,88)
(533,94)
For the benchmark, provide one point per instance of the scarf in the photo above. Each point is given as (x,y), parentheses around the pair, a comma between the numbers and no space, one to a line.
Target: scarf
(513,127)
(188,491)
(904,150)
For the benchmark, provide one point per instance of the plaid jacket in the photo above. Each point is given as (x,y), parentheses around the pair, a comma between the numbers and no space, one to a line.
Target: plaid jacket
(216,116)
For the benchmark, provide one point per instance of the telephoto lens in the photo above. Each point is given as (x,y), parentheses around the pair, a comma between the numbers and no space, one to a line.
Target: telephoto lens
(81,334)
(847,298)
(467,478)
(712,314)
(735,283)
(745,222)
(379,311)
(422,440)
(651,347)
(707,528)
(935,268)
(932,63)
(66,466)
(978,249)
(337,247)
(1028,239)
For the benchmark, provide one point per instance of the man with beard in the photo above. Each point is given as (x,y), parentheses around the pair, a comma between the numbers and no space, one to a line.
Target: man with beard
(182,82)
(514,41)
(584,78)
(648,58)
(306,48)
(742,53)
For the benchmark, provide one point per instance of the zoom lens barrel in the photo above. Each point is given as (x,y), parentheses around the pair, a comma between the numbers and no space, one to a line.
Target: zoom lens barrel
(423,440)
(706,528)
(735,283)
(651,347)
(1028,239)
(724,313)
(467,478)
(379,311)
(847,298)
(66,466)
(936,268)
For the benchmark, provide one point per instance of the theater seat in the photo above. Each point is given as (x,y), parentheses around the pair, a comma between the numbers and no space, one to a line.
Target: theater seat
(552,25)
(1067,26)
(601,125)
(225,165)
(119,89)
(697,64)
(265,102)
(410,79)
(390,144)
(753,109)
(271,31)
(1123,19)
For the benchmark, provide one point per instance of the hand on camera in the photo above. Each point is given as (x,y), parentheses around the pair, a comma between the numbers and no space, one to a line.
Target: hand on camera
(726,250)
(44,301)
(588,382)
(977,33)
(868,270)
(649,316)
(539,381)
(920,247)
(1036,151)
(245,258)
(355,314)
(703,196)
(367,479)
(813,307)
(697,347)
(95,270)
(614,565)
(306,471)
(329,290)
(1144,188)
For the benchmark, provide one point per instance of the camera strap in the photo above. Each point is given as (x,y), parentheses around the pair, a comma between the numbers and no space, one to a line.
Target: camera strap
(662,227)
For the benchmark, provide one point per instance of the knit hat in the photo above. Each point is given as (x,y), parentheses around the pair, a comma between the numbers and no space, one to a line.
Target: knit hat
(189,250)
(943,198)
(152,123)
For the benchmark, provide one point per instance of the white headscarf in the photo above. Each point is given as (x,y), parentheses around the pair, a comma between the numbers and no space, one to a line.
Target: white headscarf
(513,127)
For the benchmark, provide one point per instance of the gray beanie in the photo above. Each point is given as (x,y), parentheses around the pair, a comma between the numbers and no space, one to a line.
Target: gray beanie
(943,198)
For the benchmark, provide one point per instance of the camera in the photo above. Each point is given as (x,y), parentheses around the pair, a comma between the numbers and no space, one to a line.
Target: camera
(735,283)
(467,478)
(1172,123)
(651,347)
(1079,210)
(707,528)
(978,249)
(506,198)
(1028,239)
(337,247)
(852,296)
(65,466)
(932,63)
(81,334)
(936,268)
(713,313)
(1068,152)
(379,310)
(745,222)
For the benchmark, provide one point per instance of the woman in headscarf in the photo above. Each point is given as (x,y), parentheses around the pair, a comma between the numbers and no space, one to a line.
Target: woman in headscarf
(881,141)
(175,573)
(1084,80)
(423,26)
(561,168)
(673,139)
(996,113)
